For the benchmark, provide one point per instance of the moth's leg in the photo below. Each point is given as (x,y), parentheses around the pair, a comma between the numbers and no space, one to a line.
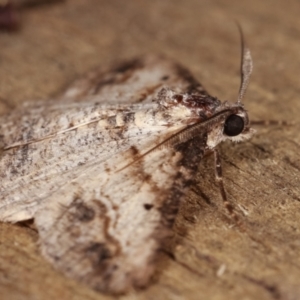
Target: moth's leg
(219,180)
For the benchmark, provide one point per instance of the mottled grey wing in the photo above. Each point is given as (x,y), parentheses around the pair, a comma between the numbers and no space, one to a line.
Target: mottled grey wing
(36,160)
(105,228)
(35,165)
(135,81)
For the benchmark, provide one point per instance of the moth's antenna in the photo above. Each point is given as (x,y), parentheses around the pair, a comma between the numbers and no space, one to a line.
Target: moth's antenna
(246,67)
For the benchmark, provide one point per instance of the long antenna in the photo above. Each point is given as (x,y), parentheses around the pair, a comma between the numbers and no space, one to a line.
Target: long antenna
(246,67)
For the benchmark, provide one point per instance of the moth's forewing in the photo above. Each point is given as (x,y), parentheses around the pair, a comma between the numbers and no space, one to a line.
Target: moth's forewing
(42,148)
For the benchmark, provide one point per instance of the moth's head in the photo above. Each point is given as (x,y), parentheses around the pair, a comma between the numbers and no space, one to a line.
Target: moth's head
(232,120)
(230,123)
(236,126)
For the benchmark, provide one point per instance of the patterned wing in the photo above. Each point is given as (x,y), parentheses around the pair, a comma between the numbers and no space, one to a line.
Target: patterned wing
(47,144)
(136,81)
(105,227)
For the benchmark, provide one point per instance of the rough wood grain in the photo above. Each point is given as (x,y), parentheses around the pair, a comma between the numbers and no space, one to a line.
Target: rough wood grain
(211,258)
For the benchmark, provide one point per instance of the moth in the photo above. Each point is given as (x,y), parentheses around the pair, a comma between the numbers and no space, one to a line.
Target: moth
(103,169)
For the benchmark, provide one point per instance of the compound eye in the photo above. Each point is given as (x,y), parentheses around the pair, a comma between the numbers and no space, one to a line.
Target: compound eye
(234,125)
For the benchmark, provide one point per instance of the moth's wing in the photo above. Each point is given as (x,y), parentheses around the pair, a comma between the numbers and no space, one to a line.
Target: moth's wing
(36,159)
(106,227)
(32,172)
(98,224)
(134,81)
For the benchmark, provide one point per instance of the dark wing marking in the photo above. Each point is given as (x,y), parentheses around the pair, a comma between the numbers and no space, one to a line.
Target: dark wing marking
(135,81)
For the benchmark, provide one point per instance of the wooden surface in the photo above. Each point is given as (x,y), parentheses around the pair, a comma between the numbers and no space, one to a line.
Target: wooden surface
(211,257)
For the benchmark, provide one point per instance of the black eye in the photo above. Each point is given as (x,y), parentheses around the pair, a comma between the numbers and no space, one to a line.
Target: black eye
(234,125)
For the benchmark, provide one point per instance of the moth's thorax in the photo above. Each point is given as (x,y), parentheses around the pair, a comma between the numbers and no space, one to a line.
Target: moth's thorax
(196,106)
